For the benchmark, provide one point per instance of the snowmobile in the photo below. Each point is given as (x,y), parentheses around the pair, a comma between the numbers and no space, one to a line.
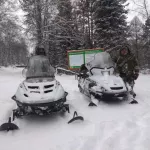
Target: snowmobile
(100,81)
(39,94)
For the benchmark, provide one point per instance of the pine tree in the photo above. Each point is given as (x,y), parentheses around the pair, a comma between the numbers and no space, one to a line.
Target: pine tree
(33,10)
(64,30)
(85,22)
(135,36)
(13,49)
(146,39)
(110,23)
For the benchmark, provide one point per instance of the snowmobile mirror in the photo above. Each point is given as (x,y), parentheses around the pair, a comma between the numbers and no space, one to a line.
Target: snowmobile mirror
(24,71)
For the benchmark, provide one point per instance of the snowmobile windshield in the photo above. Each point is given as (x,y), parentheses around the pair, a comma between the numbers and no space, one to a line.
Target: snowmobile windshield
(39,66)
(101,61)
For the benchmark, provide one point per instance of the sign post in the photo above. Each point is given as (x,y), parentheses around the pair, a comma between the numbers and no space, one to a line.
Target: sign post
(78,57)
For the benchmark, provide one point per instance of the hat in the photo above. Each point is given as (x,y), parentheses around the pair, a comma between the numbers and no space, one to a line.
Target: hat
(39,50)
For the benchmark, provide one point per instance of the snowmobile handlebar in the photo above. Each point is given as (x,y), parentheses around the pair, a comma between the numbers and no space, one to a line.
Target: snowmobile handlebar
(63,69)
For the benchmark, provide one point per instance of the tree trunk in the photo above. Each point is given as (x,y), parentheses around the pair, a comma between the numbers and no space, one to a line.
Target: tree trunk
(39,21)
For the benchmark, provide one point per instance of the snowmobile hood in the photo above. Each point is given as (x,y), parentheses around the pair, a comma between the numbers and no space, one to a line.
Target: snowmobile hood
(39,92)
(109,84)
(110,80)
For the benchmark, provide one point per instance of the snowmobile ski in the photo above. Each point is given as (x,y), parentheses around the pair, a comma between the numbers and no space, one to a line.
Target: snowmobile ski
(93,99)
(133,101)
(8,126)
(92,104)
(76,117)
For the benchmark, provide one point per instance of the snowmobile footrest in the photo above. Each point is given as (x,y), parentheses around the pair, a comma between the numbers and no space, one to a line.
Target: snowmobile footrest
(76,117)
(8,126)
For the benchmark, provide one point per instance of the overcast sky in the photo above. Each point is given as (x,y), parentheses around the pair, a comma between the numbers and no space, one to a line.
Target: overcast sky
(131,13)
(132,6)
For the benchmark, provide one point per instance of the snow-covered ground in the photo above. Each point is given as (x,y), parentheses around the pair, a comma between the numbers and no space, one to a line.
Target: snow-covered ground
(115,126)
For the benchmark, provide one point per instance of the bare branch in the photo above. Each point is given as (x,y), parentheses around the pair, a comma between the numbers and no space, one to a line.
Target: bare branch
(142,8)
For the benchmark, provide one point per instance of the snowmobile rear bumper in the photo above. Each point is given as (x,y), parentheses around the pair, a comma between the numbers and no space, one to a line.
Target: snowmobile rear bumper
(40,104)
(25,109)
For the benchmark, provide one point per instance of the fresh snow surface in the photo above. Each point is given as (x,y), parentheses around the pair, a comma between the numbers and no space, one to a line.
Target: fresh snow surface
(110,126)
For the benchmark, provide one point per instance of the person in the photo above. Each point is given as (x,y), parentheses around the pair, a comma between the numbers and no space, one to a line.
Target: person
(83,71)
(127,66)
(39,64)
(39,50)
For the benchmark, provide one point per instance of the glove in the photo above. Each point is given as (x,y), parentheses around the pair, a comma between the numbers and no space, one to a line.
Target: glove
(135,76)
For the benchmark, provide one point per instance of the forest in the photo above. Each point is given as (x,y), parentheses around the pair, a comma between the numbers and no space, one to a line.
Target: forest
(61,25)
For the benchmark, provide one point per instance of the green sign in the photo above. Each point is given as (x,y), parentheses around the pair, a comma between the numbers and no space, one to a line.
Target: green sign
(78,57)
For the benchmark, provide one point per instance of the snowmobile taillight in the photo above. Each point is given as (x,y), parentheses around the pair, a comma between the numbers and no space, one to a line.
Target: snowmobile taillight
(48,86)
(26,95)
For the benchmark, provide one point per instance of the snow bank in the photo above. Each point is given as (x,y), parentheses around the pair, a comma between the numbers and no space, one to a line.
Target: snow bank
(116,126)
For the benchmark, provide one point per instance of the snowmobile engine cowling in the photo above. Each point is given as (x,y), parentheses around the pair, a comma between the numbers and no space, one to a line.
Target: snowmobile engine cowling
(39,92)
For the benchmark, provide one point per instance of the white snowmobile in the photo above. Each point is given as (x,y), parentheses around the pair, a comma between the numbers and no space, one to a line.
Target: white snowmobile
(39,94)
(101,81)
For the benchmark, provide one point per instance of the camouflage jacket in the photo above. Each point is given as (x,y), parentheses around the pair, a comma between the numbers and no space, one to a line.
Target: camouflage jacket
(127,65)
